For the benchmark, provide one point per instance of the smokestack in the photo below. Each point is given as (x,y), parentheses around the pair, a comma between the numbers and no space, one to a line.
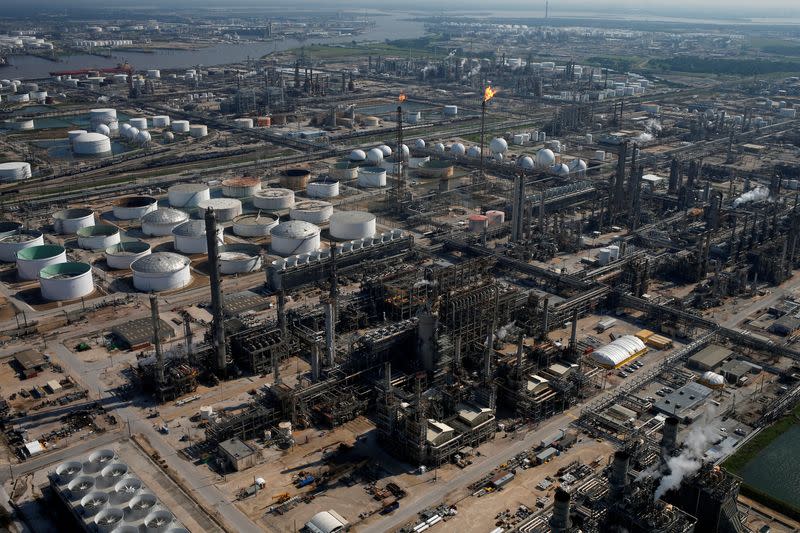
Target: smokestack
(187,333)
(669,438)
(520,350)
(573,338)
(157,339)
(545,318)
(330,335)
(282,311)
(560,521)
(314,363)
(619,475)
(216,292)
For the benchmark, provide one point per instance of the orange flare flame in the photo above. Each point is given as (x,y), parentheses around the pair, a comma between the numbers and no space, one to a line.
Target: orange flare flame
(488,94)
(402,97)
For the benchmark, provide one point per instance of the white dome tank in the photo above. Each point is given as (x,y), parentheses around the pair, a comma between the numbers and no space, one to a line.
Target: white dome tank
(143,137)
(131,133)
(162,221)
(15,171)
(274,199)
(239,258)
(457,149)
(226,209)
(91,144)
(161,271)
(34,258)
(578,167)
(315,211)
(351,225)
(13,243)
(103,129)
(438,147)
(253,225)
(525,163)
(375,156)
(190,237)
(133,207)
(474,151)
(419,144)
(358,156)
(498,145)
(545,158)
(560,169)
(180,126)
(168,137)
(295,237)
(98,237)
(120,256)
(188,194)
(371,177)
(385,149)
(69,221)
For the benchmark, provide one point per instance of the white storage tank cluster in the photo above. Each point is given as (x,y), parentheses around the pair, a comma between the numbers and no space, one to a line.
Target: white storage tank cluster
(274,199)
(246,123)
(180,126)
(315,211)
(19,98)
(120,256)
(253,225)
(371,177)
(190,237)
(295,237)
(242,187)
(161,121)
(15,171)
(98,237)
(188,194)
(325,187)
(140,123)
(161,271)
(134,207)
(239,258)
(226,209)
(91,143)
(105,116)
(11,243)
(33,259)
(69,221)
(66,281)
(351,225)
(162,221)
(198,130)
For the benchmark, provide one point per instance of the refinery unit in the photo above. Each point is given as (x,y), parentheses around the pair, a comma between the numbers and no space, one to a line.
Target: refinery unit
(373,291)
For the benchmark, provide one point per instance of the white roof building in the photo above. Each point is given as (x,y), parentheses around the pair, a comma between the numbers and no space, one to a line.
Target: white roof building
(619,351)
(326,522)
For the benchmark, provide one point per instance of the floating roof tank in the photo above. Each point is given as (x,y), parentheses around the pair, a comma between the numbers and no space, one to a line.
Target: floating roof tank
(242,187)
(69,221)
(98,237)
(315,211)
(66,281)
(188,194)
(180,126)
(11,244)
(239,258)
(134,207)
(295,179)
(274,199)
(161,121)
(325,187)
(253,225)
(120,256)
(371,177)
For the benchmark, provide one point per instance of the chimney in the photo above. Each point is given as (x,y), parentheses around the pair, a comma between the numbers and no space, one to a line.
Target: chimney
(330,335)
(669,438)
(216,292)
(560,521)
(619,475)
(315,363)
(157,339)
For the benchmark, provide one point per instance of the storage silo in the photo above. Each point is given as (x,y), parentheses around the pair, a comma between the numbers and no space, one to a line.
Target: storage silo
(162,221)
(295,179)
(69,221)
(351,225)
(239,258)
(66,281)
(274,199)
(31,260)
(15,171)
(241,187)
(139,123)
(190,237)
(180,126)
(134,207)
(325,187)
(91,144)
(371,177)
(12,243)
(314,211)
(198,131)
(161,121)
(253,225)
(161,271)
(295,237)
(188,194)
(120,256)
(98,237)
(226,209)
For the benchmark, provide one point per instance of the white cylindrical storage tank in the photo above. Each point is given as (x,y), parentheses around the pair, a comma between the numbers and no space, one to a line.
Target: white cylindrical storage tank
(253,225)
(226,209)
(19,124)
(98,237)
(450,110)
(294,237)
(19,98)
(413,117)
(102,116)
(352,225)
(477,223)
(160,121)
(190,237)
(246,123)
(9,227)
(91,144)
(158,521)
(162,221)
(274,199)
(599,155)
(243,187)
(604,257)
(139,123)
(198,130)
(343,170)
(15,171)
(153,73)
(588,138)
(323,188)
(239,258)
(180,126)
(34,258)
(315,211)
(375,156)
(120,256)
(66,281)
(38,96)
(161,271)
(74,134)
(134,207)
(372,121)
(13,243)
(614,250)
(69,221)
(188,194)
(371,177)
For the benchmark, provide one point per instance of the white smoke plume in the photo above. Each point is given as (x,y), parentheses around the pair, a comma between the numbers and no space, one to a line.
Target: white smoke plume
(644,137)
(652,126)
(756,195)
(502,333)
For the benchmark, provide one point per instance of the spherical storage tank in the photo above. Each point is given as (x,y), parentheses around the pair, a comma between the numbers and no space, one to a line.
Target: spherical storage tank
(131,133)
(15,171)
(198,130)
(316,211)
(419,144)
(438,147)
(98,237)
(385,149)
(91,144)
(498,145)
(11,243)
(160,121)
(545,158)
(560,169)
(323,188)
(190,237)
(358,155)
(525,163)
(188,194)
(102,116)
(161,271)
(69,221)
(253,225)
(274,199)
(294,237)
(371,177)
(180,126)
(457,149)
(120,256)
(351,225)
(226,209)
(103,129)
(162,221)
(168,137)
(239,258)
(474,151)
(143,137)
(243,187)
(134,207)
(578,167)
(31,260)
(66,281)
(375,156)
